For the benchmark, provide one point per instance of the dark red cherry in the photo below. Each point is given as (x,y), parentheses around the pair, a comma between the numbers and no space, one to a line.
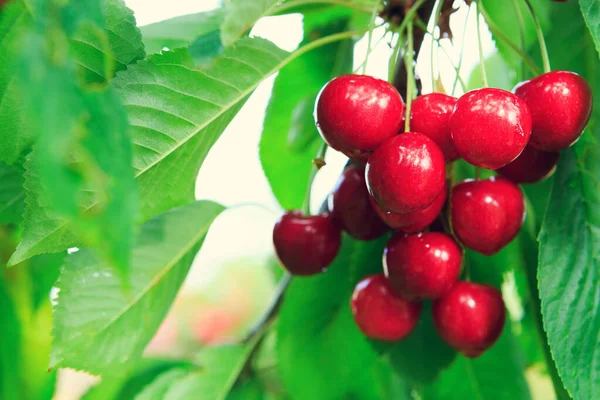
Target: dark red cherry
(356,113)
(470,318)
(306,245)
(422,266)
(406,173)
(490,127)
(561,104)
(430,115)
(351,206)
(488,214)
(415,221)
(531,166)
(380,313)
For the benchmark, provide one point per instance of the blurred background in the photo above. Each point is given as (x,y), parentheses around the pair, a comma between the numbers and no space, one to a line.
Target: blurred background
(234,276)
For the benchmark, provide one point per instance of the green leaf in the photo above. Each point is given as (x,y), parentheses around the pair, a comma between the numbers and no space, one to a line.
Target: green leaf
(128,386)
(44,270)
(176,114)
(12,194)
(286,167)
(322,354)
(422,356)
(10,355)
(591,13)
(240,16)
(98,56)
(569,254)
(498,374)
(102,329)
(218,370)
(504,16)
(181,31)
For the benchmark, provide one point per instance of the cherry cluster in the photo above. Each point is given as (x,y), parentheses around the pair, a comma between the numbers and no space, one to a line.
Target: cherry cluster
(398,180)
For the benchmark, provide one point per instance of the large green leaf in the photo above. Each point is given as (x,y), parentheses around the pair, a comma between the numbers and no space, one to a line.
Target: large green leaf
(102,329)
(12,194)
(496,375)
(10,357)
(218,369)
(176,113)
(322,354)
(180,31)
(240,16)
(569,258)
(287,165)
(591,13)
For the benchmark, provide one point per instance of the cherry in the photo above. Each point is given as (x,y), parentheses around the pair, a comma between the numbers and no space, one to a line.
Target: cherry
(351,206)
(561,104)
(380,313)
(422,266)
(531,166)
(486,215)
(470,318)
(430,115)
(356,113)
(406,173)
(415,221)
(306,245)
(490,127)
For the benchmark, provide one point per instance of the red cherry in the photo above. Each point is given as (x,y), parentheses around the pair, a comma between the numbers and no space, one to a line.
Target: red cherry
(306,245)
(356,113)
(380,313)
(415,221)
(406,173)
(430,115)
(490,127)
(487,215)
(351,206)
(531,166)
(422,266)
(470,318)
(561,104)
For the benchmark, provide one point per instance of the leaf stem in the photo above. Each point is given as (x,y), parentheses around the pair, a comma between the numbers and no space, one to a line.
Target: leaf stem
(410,73)
(323,41)
(540,35)
(498,33)
(484,80)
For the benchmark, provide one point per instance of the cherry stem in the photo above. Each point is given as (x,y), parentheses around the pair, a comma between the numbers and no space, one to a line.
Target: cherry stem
(318,163)
(484,80)
(498,33)
(422,26)
(394,58)
(436,19)
(370,40)
(519,15)
(540,35)
(460,60)
(410,74)
(477,173)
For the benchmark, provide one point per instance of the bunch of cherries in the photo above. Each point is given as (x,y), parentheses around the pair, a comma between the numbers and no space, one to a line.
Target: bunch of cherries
(403,186)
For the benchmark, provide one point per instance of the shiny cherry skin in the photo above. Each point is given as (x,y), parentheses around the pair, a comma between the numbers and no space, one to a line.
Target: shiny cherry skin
(415,221)
(487,214)
(306,245)
(356,113)
(406,173)
(531,166)
(422,266)
(490,127)
(350,205)
(561,104)
(430,115)
(380,313)
(470,318)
